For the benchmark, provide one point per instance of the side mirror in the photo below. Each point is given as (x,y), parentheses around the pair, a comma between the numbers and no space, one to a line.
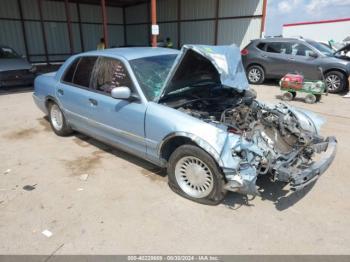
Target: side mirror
(122,92)
(313,55)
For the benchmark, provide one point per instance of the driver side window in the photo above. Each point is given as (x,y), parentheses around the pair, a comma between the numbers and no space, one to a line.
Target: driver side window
(301,50)
(109,73)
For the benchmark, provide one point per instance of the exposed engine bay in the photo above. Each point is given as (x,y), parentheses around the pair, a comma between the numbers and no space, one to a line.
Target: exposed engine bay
(282,143)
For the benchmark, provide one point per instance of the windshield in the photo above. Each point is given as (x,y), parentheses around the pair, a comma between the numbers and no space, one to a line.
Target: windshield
(6,52)
(322,48)
(151,73)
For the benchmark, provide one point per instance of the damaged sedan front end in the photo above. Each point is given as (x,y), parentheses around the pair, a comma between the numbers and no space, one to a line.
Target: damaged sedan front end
(275,143)
(275,140)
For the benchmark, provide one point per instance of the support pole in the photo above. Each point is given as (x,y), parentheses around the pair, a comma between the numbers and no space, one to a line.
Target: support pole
(23,29)
(217,9)
(124,28)
(154,20)
(263,20)
(80,28)
(69,27)
(178,24)
(104,17)
(43,29)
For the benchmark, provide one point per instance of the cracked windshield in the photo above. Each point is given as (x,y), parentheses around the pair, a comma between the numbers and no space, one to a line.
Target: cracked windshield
(151,73)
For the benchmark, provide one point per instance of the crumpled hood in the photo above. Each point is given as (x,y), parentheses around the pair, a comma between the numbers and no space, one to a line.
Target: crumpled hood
(14,64)
(225,59)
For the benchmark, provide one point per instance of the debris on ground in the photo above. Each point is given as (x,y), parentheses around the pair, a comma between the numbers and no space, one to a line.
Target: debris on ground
(84,177)
(47,233)
(7,171)
(80,189)
(29,187)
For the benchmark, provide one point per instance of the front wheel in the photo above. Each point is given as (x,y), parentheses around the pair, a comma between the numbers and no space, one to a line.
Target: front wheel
(194,174)
(57,121)
(335,82)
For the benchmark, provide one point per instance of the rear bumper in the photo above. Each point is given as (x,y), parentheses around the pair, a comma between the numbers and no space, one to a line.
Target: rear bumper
(312,173)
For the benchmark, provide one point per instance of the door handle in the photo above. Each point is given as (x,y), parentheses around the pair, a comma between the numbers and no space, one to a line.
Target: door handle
(292,59)
(93,102)
(60,92)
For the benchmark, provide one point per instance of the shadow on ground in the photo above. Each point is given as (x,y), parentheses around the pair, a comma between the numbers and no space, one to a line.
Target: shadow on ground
(153,170)
(276,192)
(15,90)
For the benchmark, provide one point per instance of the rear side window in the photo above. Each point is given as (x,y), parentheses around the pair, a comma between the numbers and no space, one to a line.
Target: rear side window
(83,71)
(279,48)
(68,75)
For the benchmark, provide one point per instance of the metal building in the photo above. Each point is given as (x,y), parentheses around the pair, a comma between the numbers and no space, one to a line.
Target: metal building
(52,30)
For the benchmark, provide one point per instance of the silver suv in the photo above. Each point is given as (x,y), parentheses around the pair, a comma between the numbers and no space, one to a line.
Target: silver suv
(272,58)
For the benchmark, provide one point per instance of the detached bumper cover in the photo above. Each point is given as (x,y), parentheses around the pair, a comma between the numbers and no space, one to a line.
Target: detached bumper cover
(307,176)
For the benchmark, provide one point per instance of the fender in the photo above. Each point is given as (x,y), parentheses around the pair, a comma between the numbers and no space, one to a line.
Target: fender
(197,140)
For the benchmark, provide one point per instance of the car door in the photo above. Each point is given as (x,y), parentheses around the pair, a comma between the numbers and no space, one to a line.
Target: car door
(305,62)
(73,92)
(119,121)
(277,58)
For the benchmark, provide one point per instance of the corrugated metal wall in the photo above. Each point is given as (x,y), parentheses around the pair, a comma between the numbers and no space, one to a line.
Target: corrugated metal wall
(238,21)
(184,21)
(239,30)
(56,29)
(137,25)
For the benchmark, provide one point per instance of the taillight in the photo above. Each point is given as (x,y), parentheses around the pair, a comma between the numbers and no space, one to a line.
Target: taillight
(244,52)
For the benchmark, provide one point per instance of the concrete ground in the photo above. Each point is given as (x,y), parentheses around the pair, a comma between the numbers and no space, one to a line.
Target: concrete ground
(126,207)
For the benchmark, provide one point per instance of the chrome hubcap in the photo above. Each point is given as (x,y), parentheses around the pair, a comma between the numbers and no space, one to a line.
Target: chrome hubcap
(56,117)
(333,82)
(194,177)
(254,75)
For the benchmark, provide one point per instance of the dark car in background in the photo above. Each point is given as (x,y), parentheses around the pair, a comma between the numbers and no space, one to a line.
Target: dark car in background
(272,58)
(14,69)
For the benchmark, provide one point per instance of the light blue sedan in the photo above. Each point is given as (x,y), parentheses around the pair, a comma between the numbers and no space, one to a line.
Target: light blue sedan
(190,111)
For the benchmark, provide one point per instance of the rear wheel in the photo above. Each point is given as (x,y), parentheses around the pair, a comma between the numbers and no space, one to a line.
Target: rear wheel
(256,75)
(310,98)
(318,98)
(194,174)
(335,82)
(58,121)
(288,96)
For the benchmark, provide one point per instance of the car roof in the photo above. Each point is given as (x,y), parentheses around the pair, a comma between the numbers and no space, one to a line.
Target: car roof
(130,53)
(281,39)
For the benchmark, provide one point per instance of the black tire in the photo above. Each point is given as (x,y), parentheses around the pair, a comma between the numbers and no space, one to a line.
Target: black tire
(256,75)
(64,129)
(318,98)
(332,78)
(310,99)
(287,96)
(294,94)
(217,192)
